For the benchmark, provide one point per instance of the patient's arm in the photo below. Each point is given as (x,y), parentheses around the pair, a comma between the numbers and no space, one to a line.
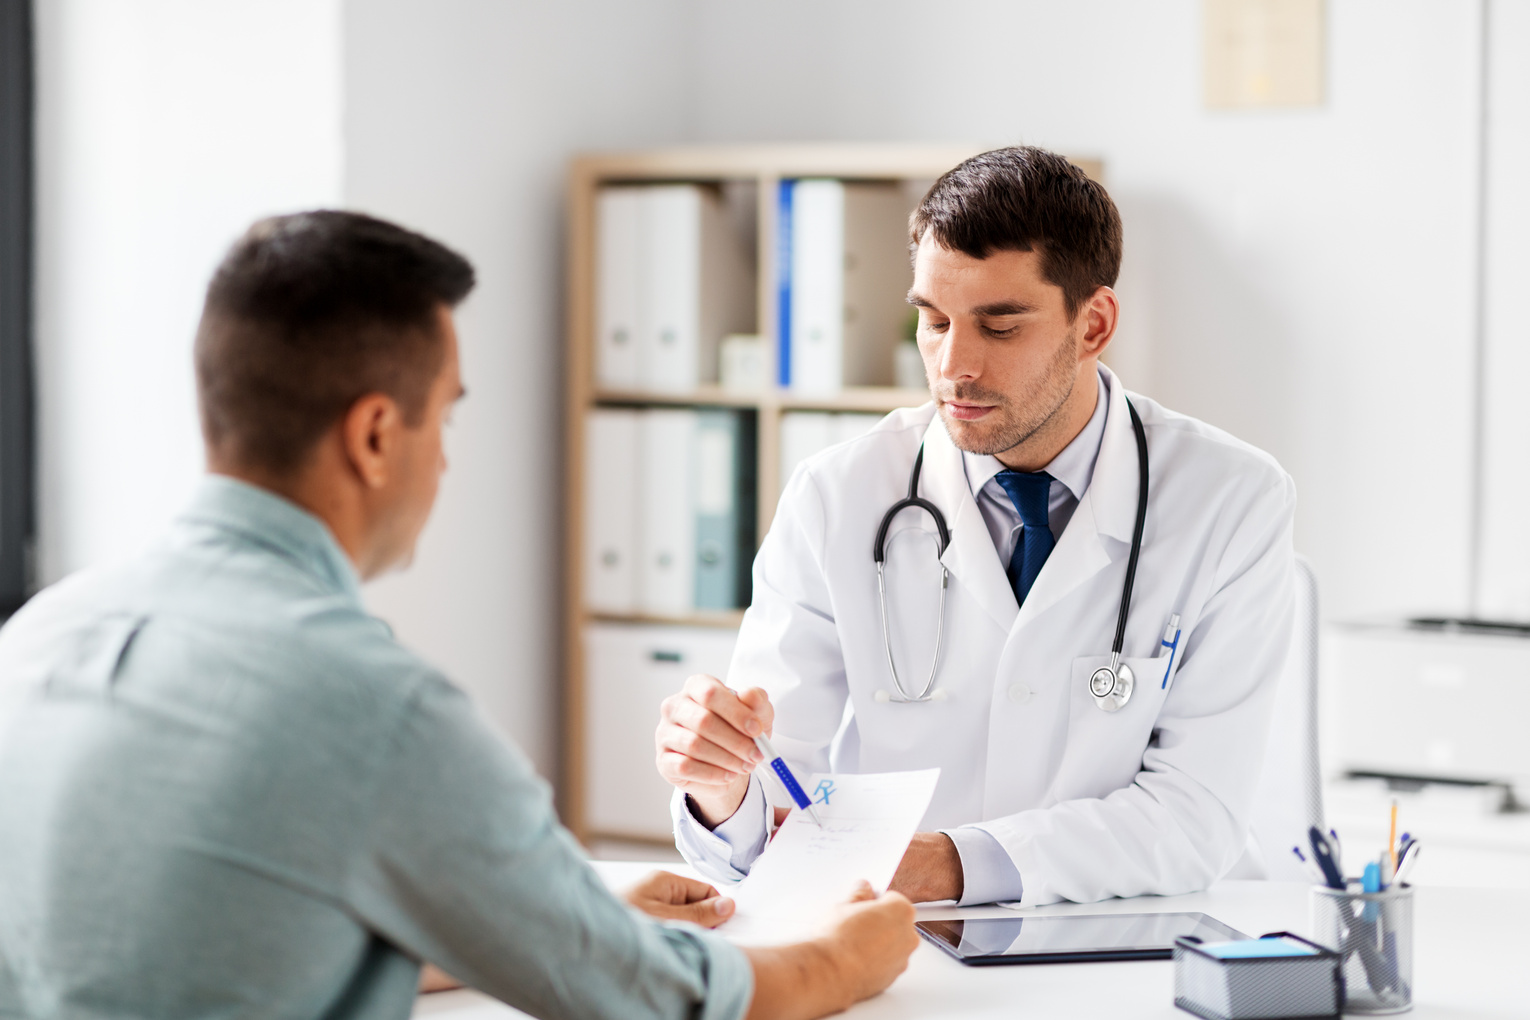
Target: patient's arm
(867,947)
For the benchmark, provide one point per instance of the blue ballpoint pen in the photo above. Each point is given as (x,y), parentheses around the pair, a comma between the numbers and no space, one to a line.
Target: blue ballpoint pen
(1311,867)
(778,766)
(1323,853)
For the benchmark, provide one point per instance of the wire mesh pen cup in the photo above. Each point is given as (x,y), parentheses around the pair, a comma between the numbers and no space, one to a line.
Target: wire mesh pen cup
(1374,932)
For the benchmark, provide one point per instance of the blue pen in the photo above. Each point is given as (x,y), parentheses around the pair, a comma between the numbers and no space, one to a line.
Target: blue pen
(778,766)
(1323,853)
(1311,868)
(1171,642)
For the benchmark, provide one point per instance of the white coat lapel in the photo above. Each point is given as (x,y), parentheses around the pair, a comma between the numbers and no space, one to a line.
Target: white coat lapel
(971,557)
(1101,527)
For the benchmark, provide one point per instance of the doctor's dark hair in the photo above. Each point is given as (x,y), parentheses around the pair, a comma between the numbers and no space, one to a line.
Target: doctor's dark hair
(1027,199)
(308,313)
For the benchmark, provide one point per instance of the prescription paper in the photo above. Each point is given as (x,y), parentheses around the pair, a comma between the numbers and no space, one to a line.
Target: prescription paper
(805,872)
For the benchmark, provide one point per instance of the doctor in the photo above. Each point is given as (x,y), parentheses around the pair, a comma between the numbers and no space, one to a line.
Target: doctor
(1049,790)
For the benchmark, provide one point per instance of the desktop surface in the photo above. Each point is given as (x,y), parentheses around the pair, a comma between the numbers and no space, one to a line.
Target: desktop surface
(1470,945)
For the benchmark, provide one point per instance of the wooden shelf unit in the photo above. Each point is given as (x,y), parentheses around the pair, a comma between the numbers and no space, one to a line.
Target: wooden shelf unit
(765,166)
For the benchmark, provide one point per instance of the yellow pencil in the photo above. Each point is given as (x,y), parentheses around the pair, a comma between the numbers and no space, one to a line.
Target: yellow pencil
(1392,839)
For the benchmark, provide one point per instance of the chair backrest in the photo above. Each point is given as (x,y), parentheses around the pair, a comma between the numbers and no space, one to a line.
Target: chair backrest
(1290,792)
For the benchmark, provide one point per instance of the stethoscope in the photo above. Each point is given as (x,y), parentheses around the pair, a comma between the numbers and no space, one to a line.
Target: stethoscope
(1111,686)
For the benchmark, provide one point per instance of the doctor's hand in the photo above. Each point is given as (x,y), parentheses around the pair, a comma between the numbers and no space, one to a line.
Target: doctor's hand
(672,897)
(705,743)
(931,869)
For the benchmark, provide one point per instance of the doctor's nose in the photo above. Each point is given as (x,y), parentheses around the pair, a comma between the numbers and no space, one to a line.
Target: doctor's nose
(961,355)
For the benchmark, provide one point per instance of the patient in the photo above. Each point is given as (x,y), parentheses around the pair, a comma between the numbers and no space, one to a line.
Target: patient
(225,790)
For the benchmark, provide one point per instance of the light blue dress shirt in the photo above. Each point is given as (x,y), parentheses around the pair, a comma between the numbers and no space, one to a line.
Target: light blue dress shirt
(226,791)
(989,874)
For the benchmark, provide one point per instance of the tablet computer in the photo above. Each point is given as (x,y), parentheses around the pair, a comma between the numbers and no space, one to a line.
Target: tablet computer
(1071,938)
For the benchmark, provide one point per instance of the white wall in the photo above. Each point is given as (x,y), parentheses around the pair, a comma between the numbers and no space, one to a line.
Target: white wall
(1302,278)
(1505,562)
(460,120)
(164,128)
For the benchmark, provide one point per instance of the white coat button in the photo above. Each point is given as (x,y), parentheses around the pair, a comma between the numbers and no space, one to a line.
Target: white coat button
(1019,694)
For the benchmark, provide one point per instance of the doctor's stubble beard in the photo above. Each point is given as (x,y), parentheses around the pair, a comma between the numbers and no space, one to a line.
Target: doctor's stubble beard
(1016,420)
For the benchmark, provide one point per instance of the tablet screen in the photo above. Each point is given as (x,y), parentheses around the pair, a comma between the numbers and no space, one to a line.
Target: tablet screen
(1064,938)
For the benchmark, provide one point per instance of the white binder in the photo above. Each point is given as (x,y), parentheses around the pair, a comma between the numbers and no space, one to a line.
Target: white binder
(803,433)
(667,541)
(818,286)
(629,669)
(618,218)
(610,503)
(850,276)
(853,425)
(696,286)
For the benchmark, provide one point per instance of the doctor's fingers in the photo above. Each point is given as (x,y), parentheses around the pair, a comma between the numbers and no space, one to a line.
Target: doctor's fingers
(751,717)
(686,741)
(687,773)
(710,726)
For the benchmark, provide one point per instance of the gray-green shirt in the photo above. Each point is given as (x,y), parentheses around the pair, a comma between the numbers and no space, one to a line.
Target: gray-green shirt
(226,791)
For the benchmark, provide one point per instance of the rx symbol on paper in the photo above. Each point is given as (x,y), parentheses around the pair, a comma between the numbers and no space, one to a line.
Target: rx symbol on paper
(825,789)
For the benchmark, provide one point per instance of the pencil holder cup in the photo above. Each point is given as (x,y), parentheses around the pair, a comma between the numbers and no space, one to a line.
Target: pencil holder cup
(1374,933)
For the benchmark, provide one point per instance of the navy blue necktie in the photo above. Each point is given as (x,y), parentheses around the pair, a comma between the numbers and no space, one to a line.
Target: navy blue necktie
(1031,494)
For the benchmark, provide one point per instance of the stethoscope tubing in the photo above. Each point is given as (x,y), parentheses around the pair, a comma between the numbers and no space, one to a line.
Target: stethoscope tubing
(1131,560)
(913,500)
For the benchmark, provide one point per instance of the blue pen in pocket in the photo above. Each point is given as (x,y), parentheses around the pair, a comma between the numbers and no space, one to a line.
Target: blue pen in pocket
(1171,642)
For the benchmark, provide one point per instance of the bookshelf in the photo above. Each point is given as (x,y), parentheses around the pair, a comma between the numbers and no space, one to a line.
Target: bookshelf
(763,167)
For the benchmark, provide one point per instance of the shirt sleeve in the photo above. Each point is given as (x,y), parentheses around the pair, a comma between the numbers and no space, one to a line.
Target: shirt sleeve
(989,874)
(726,853)
(466,867)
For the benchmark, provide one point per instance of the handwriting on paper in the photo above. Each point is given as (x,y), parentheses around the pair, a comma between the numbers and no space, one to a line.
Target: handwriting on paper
(868,821)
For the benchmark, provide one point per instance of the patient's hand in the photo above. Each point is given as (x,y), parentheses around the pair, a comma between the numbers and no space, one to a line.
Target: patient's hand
(674,898)
(434,979)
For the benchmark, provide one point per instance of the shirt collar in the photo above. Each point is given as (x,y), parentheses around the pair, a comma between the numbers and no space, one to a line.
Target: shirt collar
(1073,467)
(265,518)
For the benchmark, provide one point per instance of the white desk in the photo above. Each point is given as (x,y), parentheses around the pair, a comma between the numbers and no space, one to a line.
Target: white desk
(1469,945)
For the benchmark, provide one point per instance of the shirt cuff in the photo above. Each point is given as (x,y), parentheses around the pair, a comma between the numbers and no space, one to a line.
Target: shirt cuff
(727,852)
(730,979)
(989,874)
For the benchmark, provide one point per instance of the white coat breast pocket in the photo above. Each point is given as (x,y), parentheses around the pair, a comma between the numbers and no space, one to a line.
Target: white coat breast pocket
(1104,749)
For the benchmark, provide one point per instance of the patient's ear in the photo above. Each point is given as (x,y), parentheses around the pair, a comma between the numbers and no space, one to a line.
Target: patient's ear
(370,433)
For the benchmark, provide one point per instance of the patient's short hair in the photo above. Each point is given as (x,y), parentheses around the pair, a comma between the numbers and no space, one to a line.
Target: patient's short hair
(306,314)
(1027,199)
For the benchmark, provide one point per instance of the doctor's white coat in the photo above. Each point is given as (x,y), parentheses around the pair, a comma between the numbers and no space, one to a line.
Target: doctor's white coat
(1154,798)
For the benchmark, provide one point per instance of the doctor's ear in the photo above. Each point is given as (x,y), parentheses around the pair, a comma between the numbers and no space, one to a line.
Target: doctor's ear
(1096,322)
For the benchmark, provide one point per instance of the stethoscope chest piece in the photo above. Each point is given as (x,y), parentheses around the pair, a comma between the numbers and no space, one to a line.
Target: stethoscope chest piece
(1111,686)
